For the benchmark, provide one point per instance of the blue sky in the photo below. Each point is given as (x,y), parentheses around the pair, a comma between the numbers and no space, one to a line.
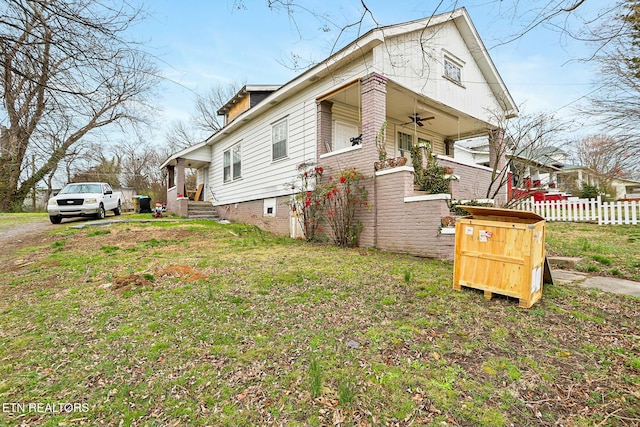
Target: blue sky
(206,43)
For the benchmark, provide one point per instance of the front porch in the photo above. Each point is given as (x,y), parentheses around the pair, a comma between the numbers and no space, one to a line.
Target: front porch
(178,195)
(373,117)
(355,114)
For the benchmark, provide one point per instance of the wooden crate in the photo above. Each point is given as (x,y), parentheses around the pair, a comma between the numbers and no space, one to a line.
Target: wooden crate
(500,251)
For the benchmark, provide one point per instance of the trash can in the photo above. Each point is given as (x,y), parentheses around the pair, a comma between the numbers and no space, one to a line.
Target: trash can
(144,204)
(500,251)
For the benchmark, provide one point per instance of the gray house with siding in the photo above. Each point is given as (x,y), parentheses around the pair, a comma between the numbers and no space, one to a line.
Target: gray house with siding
(428,81)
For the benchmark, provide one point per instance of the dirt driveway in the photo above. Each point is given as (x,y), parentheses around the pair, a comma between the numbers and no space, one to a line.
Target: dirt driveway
(28,233)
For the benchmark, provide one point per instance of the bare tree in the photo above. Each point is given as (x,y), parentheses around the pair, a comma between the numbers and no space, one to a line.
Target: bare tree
(64,62)
(104,169)
(206,118)
(205,121)
(520,141)
(603,156)
(139,161)
(180,135)
(615,107)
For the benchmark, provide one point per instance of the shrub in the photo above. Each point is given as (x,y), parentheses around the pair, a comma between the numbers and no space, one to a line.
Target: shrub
(308,201)
(430,178)
(588,191)
(342,198)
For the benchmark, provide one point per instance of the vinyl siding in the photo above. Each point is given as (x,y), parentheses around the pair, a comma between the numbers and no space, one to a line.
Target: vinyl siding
(437,141)
(419,67)
(262,177)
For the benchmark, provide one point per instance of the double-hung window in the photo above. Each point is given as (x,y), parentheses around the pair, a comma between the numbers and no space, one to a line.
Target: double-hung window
(279,140)
(232,163)
(405,142)
(452,70)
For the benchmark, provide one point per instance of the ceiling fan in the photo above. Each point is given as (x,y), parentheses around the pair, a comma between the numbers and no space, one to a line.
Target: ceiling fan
(418,120)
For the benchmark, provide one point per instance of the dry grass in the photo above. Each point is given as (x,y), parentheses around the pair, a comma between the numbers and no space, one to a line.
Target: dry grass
(228,325)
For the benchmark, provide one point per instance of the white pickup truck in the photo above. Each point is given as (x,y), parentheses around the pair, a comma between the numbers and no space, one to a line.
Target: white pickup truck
(84,199)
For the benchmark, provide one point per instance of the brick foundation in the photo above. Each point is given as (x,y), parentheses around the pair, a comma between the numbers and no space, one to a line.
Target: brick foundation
(252,212)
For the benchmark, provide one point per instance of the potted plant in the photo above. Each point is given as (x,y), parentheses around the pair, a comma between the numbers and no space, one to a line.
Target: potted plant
(383,161)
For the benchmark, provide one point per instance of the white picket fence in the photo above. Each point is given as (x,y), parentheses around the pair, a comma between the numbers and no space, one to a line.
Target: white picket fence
(593,210)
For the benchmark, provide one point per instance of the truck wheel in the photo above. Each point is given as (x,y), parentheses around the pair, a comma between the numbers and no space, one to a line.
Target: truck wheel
(118,210)
(100,214)
(55,219)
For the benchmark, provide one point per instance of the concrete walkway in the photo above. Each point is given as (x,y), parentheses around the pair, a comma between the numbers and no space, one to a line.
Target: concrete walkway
(607,284)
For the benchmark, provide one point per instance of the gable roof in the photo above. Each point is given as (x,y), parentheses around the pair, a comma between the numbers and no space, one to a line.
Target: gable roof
(365,44)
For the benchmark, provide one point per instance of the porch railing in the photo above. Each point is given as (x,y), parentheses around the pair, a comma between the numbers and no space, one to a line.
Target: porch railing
(582,210)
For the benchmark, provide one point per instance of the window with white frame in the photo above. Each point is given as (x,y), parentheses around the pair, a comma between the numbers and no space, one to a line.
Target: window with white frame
(452,70)
(269,207)
(279,140)
(342,134)
(232,163)
(405,142)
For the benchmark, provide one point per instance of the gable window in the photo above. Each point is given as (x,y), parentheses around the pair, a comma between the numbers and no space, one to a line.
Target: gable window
(452,70)
(279,140)
(232,163)
(405,142)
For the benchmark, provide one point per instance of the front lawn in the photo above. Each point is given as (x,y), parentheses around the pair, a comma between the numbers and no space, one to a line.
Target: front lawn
(611,250)
(197,323)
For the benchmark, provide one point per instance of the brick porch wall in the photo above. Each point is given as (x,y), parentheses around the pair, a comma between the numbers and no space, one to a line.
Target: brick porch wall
(410,224)
(473,181)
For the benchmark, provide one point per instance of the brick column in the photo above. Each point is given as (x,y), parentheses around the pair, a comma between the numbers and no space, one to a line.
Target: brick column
(374,114)
(181,205)
(324,126)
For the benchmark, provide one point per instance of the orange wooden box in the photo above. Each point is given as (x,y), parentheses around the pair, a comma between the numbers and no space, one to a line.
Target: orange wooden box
(500,251)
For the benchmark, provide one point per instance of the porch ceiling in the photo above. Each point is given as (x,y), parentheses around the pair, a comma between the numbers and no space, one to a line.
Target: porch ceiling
(194,157)
(403,103)
(188,163)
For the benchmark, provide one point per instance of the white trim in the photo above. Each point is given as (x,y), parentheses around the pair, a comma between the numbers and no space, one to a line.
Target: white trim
(427,197)
(448,230)
(472,165)
(453,58)
(395,170)
(344,150)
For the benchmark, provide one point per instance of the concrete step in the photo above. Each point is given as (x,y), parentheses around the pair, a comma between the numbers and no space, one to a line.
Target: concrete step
(564,261)
(201,210)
